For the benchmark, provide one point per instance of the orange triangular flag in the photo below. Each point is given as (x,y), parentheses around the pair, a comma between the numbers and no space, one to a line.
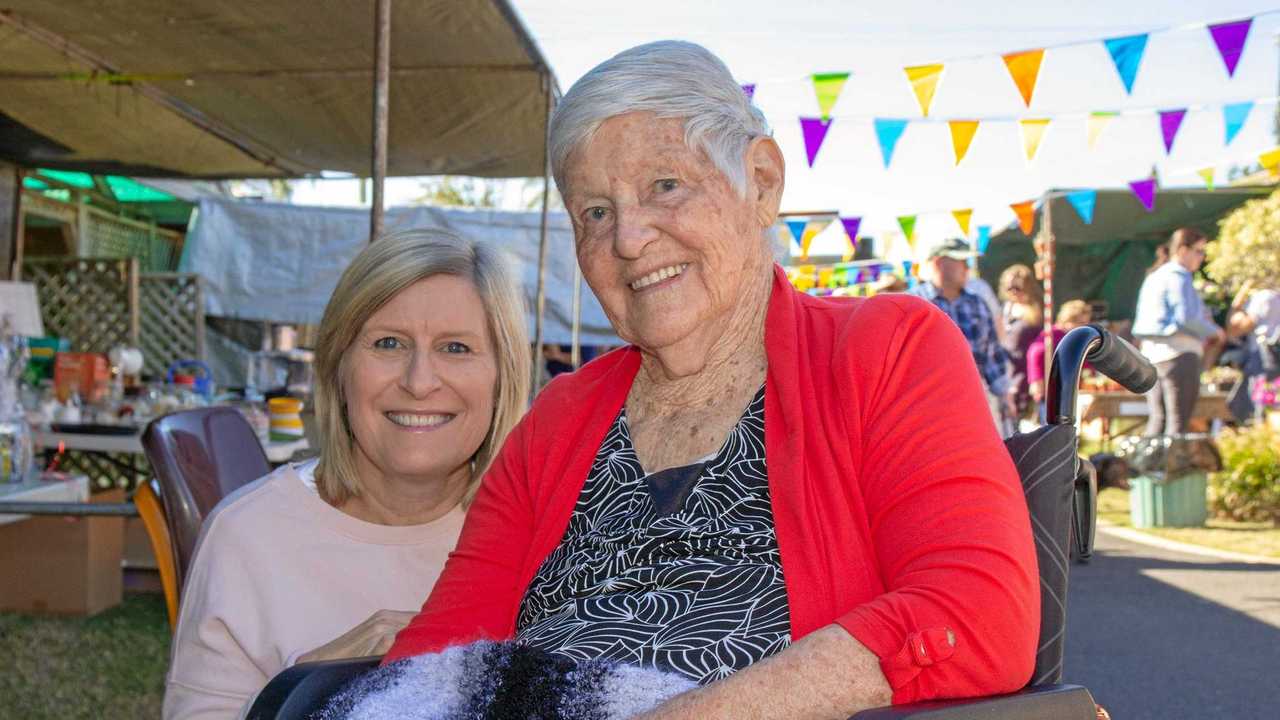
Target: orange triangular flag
(1024,68)
(1032,134)
(1206,174)
(962,132)
(924,82)
(1026,212)
(962,218)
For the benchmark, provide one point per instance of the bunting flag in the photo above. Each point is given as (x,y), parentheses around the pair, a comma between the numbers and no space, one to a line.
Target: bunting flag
(907,267)
(908,225)
(851,231)
(962,219)
(962,132)
(827,87)
(1270,160)
(815,131)
(1230,38)
(984,237)
(750,90)
(1083,201)
(1206,174)
(1024,68)
(797,230)
(1233,117)
(1026,212)
(924,83)
(1146,192)
(812,229)
(1097,121)
(1032,134)
(1170,121)
(1126,53)
(888,132)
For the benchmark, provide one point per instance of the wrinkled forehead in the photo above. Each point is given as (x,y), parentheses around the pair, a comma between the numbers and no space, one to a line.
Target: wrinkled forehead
(631,142)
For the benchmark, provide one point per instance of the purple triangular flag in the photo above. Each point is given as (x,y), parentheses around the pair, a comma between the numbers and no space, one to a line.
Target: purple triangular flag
(750,90)
(815,130)
(1170,121)
(851,229)
(1230,38)
(1146,192)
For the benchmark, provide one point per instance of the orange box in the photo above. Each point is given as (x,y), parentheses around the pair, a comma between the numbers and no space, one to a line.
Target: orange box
(85,373)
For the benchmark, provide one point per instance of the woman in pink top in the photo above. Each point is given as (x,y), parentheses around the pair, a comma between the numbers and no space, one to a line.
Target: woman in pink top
(421,370)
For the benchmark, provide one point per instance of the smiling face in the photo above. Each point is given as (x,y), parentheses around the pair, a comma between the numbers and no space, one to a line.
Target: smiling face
(418,381)
(665,242)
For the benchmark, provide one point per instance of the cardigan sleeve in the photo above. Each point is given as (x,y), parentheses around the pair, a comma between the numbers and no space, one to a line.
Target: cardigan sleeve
(480,588)
(948,521)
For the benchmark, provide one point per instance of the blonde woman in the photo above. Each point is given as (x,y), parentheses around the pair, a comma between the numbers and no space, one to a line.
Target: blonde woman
(421,371)
(1022,314)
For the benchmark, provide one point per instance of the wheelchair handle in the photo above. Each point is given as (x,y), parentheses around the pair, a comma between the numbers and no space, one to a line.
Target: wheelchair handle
(1109,354)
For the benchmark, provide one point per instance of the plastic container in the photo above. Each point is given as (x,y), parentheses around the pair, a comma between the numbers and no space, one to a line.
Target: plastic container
(1180,502)
(286,419)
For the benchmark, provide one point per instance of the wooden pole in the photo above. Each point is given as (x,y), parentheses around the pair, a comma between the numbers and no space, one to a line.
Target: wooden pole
(542,246)
(381,107)
(1046,232)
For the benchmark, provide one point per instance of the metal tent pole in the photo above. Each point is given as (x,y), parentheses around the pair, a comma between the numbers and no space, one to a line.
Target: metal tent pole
(381,106)
(536,383)
(1050,252)
(575,355)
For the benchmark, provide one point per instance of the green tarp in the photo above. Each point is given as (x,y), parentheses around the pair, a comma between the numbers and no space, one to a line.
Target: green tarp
(1105,261)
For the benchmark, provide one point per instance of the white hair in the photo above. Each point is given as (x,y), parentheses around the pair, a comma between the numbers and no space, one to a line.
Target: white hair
(671,79)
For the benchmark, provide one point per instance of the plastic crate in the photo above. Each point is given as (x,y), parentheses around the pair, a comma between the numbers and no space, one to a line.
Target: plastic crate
(1179,502)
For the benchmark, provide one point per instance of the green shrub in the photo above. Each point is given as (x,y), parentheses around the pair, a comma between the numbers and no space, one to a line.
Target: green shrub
(1248,486)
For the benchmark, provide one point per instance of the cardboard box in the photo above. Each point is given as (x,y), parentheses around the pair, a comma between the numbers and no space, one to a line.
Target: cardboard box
(85,373)
(63,565)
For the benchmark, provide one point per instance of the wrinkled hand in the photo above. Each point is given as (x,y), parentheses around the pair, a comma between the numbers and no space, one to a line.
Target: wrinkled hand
(371,637)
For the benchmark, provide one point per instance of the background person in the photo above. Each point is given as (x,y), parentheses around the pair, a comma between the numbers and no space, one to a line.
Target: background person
(749,493)
(1022,315)
(1071,315)
(1173,326)
(1254,316)
(422,368)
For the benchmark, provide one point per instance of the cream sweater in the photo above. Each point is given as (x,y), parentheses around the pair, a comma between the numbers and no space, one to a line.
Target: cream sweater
(279,572)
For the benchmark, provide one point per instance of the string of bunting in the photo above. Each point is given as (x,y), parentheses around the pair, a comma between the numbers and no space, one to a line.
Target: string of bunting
(1023,67)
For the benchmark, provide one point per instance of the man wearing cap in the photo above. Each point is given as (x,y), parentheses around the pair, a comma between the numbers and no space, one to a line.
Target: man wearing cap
(948,272)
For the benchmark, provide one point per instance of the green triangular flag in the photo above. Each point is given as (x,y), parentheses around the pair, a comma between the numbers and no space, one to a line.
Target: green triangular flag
(827,87)
(908,225)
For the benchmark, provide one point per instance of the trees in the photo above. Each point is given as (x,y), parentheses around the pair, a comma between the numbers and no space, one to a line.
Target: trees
(1248,245)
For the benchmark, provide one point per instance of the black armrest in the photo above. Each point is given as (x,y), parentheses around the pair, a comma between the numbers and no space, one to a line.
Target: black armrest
(302,689)
(1043,702)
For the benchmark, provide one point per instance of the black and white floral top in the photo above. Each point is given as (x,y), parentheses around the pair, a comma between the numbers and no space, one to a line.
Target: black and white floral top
(677,570)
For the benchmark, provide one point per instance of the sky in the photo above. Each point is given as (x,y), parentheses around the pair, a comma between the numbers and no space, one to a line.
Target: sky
(778,45)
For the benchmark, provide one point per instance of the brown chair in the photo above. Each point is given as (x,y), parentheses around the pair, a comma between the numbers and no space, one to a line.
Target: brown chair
(199,457)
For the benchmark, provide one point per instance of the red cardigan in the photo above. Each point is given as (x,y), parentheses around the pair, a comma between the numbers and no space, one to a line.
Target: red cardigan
(899,514)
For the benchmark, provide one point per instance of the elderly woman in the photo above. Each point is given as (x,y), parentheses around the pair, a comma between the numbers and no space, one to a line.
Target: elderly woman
(788,500)
(421,371)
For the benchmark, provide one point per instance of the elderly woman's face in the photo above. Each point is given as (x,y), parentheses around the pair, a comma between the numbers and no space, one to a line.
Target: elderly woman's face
(419,382)
(663,239)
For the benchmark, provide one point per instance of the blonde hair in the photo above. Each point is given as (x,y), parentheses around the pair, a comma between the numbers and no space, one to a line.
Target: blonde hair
(377,274)
(1033,294)
(1075,311)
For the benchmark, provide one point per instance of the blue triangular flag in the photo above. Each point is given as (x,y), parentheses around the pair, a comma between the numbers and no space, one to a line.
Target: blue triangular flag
(1084,201)
(1126,53)
(797,229)
(889,132)
(1233,117)
(984,237)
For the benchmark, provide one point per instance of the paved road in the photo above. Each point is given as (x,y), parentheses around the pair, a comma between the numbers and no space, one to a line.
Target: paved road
(1159,634)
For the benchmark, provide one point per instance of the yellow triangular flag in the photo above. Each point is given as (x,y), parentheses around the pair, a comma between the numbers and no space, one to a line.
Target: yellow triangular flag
(924,82)
(1026,212)
(1032,134)
(811,230)
(962,132)
(962,219)
(1270,160)
(1097,121)
(1024,68)
(1207,175)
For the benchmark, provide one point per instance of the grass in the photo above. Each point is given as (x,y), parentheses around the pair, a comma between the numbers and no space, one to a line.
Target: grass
(1242,537)
(108,666)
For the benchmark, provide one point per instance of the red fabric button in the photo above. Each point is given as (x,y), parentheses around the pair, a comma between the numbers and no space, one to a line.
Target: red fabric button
(931,646)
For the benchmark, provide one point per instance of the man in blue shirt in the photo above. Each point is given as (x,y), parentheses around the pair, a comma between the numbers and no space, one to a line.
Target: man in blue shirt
(945,288)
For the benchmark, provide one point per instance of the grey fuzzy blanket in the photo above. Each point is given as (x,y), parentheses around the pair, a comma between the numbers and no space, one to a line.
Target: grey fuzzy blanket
(503,681)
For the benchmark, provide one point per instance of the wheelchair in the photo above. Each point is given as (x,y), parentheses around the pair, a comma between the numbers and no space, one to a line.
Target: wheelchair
(1061,492)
